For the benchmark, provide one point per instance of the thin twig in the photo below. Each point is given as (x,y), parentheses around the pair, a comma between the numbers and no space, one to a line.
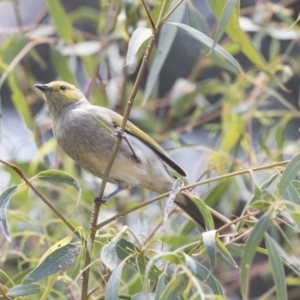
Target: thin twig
(96,206)
(43,198)
(149,15)
(217,178)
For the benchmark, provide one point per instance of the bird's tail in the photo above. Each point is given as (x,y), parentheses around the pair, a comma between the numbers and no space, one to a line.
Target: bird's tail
(184,201)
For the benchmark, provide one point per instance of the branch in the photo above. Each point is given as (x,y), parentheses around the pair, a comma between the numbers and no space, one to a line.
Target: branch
(43,198)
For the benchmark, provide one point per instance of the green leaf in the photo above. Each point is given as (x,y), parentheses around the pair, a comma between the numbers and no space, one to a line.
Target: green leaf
(109,251)
(57,176)
(197,21)
(292,194)
(55,262)
(19,101)
(252,243)
(289,174)
(113,284)
(225,253)
(238,35)
(277,269)
(161,285)
(202,207)
(207,41)
(24,290)
(125,248)
(226,14)
(61,20)
(4,200)
(205,276)
(209,242)
(61,66)
(142,296)
(165,41)
(139,36)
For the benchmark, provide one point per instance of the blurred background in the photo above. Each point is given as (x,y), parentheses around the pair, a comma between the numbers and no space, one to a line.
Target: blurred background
(210,118)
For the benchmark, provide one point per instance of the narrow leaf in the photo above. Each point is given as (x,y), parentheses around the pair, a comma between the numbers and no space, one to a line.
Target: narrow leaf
(109,251)
(207,41)
(225,253)
(161,285)
(61,20)
(57,176)
(277,269)
(289,174)
(24,290)
(252,243)
(113,284)
(226,14)
(4,200)
(125,248)
(205,276)
(209,222)
(55,262)
(209,242)
(238,35)
(20,101)
(139,36)
(165,41)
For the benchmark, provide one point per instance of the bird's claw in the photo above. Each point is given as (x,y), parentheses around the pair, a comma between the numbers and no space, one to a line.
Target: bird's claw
(100,200)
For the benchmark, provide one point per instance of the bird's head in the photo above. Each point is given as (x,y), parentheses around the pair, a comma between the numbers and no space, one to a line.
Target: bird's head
(59,95)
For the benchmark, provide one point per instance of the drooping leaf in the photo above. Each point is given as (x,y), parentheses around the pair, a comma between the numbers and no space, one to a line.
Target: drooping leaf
(125,248)
(165,41)
(57,176)
(252,243)
(24,290)
(238,35)
(226,14)
(289,174)
(204,39)
(61,20)
(19,101)
(209,242)
(139,36)
(55,262)
(277,269)
(113,284)
(4,200)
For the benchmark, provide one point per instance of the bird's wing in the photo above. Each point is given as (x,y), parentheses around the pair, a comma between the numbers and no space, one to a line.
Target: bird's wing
(143,137)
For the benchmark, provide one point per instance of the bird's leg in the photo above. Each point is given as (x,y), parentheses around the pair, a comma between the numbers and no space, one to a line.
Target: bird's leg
(102,200)
(123,135)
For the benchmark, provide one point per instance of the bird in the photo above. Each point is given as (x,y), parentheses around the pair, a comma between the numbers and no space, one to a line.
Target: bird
(139,162)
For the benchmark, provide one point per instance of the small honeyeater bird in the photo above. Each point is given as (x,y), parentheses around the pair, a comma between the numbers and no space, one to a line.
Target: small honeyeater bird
(140,161)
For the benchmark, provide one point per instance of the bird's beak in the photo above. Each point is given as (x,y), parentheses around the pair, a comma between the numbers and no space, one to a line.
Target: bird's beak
(43,87)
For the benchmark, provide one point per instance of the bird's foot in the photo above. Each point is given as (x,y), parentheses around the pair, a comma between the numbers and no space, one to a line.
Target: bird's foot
(122,134)
(100,200)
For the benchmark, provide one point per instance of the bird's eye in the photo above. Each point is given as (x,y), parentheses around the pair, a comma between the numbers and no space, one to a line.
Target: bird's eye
(63,88)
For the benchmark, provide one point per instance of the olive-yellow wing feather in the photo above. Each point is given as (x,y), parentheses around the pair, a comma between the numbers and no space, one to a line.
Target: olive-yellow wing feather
(146,139)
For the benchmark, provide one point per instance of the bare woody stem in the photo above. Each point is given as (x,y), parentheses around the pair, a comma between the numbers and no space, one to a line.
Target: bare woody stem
(217,178)
(96,207)
(43,198)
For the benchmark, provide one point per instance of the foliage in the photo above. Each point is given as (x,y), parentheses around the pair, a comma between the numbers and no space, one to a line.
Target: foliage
(133,250)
